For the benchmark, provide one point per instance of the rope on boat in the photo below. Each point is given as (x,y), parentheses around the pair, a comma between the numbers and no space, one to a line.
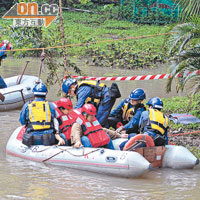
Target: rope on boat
(63,150)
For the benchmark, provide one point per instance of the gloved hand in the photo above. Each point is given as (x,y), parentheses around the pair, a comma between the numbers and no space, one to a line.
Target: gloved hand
(121,128)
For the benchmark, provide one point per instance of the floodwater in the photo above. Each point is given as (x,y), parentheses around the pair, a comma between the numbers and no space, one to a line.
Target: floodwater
(23,179)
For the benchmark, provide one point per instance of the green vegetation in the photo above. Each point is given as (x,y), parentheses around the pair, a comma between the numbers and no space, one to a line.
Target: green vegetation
(93,28)
(183,105)
(195,151)
(184,47)
(98,30)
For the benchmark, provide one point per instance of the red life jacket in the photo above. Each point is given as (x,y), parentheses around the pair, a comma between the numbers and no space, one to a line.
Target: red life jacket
(65,123)
(93,130)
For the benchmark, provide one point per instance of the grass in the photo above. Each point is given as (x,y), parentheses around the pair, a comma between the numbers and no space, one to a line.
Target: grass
(184,105)
(86,27)
(93,27)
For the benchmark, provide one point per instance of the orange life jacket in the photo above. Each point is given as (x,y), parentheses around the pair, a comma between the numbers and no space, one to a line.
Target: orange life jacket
(93,130)
(65,123)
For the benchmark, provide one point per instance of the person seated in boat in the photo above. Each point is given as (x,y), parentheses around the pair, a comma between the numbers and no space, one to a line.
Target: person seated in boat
(88,132)
(154,123)
(94,92)
(128,112)
(2,83)
(5,45)
(63,121)
(38,116)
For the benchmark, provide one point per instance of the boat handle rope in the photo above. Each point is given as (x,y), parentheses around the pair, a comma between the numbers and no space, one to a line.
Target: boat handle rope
(36,147)
(63,150)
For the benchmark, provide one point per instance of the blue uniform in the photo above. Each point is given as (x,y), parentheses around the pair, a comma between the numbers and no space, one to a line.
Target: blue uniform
(116,115)
(24,115)
(2,83)
(133,126)
(2,53)
(117,112)
(145,126)
(24,120)
(135,119)
(105,105)
(2,56)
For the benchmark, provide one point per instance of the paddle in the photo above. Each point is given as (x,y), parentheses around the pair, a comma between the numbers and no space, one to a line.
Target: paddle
(19,81)
(41,64)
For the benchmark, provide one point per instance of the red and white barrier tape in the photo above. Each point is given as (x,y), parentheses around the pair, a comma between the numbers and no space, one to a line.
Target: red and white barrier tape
(133,78)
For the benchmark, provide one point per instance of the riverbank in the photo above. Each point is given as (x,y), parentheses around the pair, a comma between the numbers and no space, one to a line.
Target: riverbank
(106,42)
(185,135)
(114,51)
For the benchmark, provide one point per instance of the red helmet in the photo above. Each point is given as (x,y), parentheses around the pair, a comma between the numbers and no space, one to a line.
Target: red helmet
(89,109)
(9,46)
(65,103)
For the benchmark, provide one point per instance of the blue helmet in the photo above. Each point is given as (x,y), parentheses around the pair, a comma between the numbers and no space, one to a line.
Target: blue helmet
(40,89)
(67,83)
(137,94)
(156,102)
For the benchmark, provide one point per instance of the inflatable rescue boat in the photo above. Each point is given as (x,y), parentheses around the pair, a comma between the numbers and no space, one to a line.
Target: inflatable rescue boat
(100,160)
(169,156)
(17,94)
(114,162)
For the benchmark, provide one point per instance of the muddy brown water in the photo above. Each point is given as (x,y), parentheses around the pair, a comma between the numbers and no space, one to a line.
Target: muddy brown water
(23,179)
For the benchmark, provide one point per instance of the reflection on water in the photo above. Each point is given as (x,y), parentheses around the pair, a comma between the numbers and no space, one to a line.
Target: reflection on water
(29,179)
(23,179)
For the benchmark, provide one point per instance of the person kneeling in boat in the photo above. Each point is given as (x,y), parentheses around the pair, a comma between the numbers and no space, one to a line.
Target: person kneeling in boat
(63,122)
(127,114)
(93,92)
(88,132)
(132,127)
(154,123)
(38,116)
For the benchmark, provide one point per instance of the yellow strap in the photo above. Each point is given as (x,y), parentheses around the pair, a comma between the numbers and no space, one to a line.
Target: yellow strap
(93,83)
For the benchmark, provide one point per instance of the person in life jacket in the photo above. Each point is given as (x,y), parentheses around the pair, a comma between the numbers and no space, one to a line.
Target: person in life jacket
(88,132)
(5,45)
(37,116)
(63,121)
(154,123)
(95,93)
(129,111)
